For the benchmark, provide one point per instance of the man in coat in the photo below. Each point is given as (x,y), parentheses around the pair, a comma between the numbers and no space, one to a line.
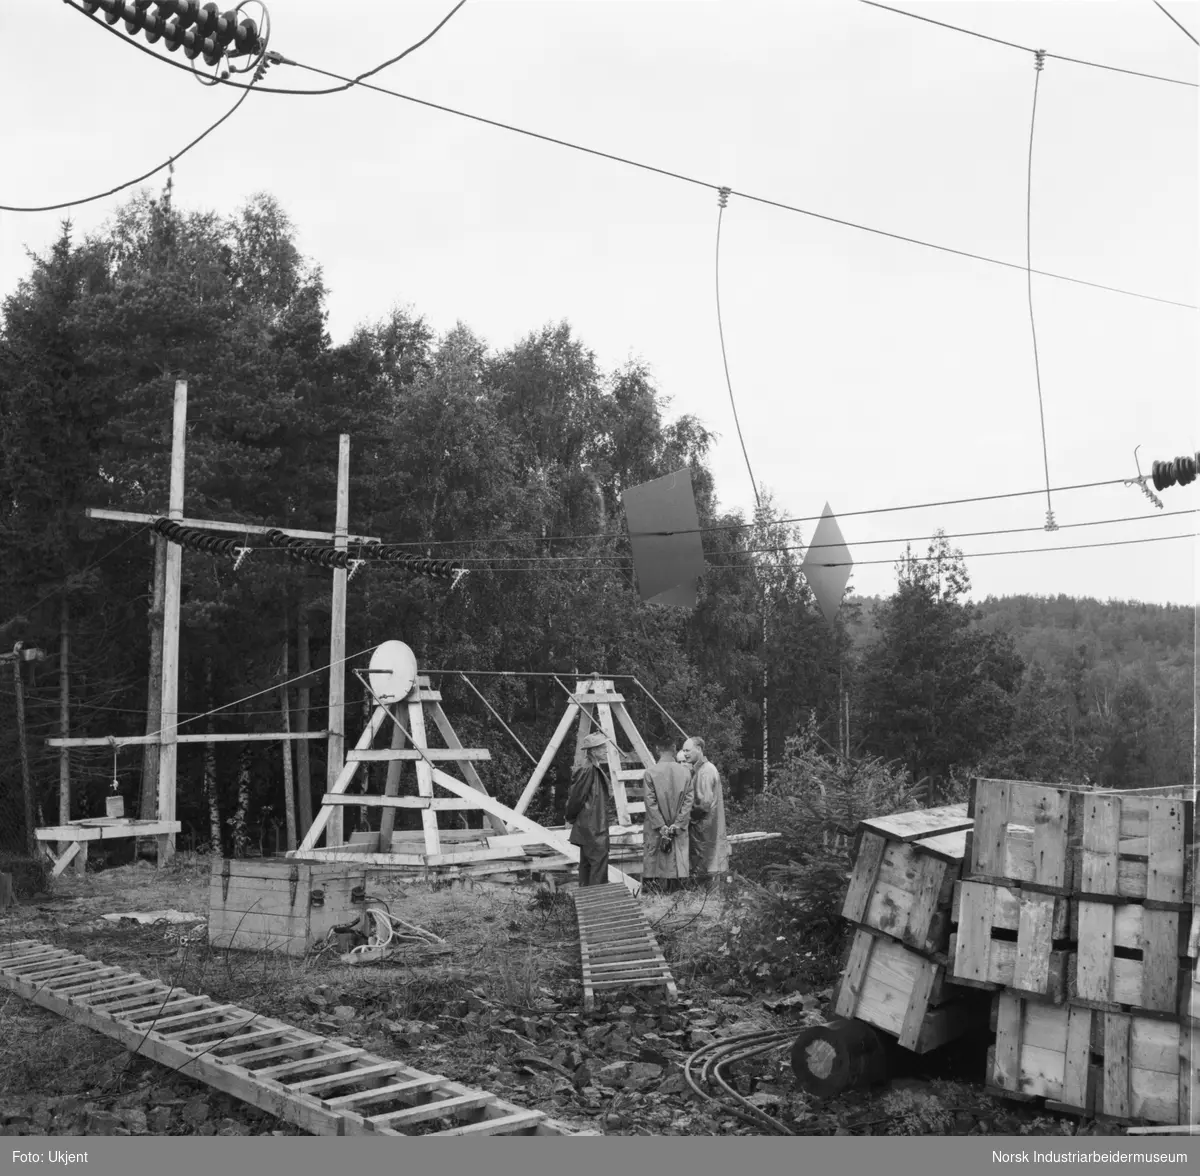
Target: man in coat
(709,849)
(668,811)
(589,809)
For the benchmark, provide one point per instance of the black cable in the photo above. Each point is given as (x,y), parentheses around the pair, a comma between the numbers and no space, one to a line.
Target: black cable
(1025,48)
(733,191)
(1037,367)
(1176,23)
(153,171)
(277,57)
(722,198)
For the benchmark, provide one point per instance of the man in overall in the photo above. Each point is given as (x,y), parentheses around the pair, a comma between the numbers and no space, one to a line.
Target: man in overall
(589,809)
(668,811)
(709,850)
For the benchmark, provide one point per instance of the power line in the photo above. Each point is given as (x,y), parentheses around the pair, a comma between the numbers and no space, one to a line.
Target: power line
(145,176)
(1176,23)
(735,192)
(1026,49)
(722,199)
(1037,367)
(983,554)
(533,561)
(348,82)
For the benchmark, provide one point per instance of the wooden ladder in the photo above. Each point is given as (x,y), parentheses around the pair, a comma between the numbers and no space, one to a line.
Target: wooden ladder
(320,1084)
(616,946)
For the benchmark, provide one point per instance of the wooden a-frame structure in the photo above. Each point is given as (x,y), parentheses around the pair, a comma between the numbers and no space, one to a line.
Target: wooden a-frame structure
(511,831)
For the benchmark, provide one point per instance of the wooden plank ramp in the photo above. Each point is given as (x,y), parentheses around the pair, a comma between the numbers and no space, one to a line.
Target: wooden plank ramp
(617,949)
(320,1084)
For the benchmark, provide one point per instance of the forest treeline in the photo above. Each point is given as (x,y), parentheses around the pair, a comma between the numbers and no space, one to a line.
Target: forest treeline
(510,461)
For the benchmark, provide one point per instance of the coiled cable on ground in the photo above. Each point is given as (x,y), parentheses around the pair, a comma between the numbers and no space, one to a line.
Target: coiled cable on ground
(716,1055)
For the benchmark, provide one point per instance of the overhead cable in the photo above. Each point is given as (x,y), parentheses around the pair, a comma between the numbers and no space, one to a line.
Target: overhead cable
(153,171)
(1026,49)
(1176,23)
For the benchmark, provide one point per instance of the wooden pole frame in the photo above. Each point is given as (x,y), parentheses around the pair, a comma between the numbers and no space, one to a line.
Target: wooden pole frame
(167,739)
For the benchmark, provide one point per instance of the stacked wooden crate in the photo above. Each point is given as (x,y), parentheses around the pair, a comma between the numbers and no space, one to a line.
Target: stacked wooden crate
(901,888)
(1075,906)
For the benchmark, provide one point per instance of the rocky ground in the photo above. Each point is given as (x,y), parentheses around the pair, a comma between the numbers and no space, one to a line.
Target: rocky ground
(498,1007)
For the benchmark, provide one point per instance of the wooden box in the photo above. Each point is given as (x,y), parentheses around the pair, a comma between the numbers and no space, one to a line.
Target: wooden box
(1023,833)
(1129,955)
(1112,1065)
(281,905)
(1045,1051)
(903,993)
(1136,847)
(904,887)
(1011,937)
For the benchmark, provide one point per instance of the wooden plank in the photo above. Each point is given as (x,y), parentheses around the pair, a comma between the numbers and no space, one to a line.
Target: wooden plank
(1052,863)
(97,830)
(931,875)
(920,823)
(436,754)
(1166,851)
(505,1124)
(974,941)
(991,803)
(918,1003)
(438,1109)
(1116,1065)
(1160,960)
(543,765)
(620,800)
(409,1086)
(862,879)
(472,776)
(636,741)
(950,846)
(1101,834)
(132,516)
(341,780)
(332,1081)
(1076,1090)
(317,1060)
(433,803)
(1034,943)
(1007,1066)
(855,974)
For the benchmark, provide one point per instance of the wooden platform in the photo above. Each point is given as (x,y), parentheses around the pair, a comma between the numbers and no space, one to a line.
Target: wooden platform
(320,1084)
(77,834)
(616,946)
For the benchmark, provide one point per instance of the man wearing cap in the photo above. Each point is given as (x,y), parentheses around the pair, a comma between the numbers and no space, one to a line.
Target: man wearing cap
(590,813)
(709,849)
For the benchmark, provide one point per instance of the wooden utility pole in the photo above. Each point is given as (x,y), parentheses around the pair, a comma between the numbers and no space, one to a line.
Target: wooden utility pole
(150,752)
(336,753)
(19,655)
(304,813)
(64,718)
(168,739)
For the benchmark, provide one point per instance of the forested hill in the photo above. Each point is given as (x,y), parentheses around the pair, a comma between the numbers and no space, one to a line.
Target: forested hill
(1108,686)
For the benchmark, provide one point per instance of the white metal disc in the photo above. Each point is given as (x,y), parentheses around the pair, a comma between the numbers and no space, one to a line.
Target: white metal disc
(393,671)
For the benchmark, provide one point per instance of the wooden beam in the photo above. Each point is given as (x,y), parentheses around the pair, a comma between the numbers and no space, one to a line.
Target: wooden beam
(410,802)
(168,748)
(391,787)
(437,754)
(512,817)
(246,737)
(452,740)
(131,516)
(104,830)
(547,758)
(335,757)
(416,732)
(343,781)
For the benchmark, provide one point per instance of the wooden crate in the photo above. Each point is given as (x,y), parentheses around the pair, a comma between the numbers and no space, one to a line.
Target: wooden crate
(1136,847)
(905,994)
(1012,938)
(1129,956)
(281,905)
(1022,833)
(904,887)
(1045,1051)
(1083,1061)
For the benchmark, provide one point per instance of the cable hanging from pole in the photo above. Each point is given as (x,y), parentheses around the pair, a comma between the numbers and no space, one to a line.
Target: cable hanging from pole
(1039,61)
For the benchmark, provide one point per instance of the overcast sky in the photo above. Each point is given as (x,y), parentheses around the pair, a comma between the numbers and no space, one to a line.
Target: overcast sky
(868,372)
